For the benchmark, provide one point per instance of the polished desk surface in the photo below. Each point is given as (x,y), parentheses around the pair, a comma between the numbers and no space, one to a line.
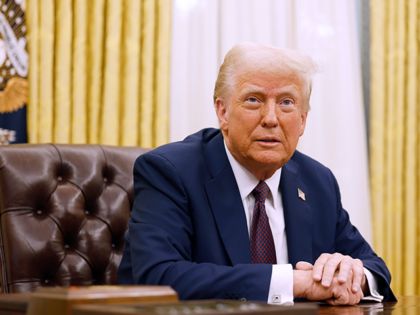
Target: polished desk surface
(405,305)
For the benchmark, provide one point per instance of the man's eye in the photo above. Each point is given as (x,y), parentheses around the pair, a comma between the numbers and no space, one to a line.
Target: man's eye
(287,102)
(252,99)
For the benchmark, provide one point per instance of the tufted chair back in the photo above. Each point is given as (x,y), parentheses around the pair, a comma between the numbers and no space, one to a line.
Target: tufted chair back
(64,211)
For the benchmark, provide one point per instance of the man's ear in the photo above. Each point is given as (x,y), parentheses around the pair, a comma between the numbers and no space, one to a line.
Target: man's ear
(221,112)
(303,123)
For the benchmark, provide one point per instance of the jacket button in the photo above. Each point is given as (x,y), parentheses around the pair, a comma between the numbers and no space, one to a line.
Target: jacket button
(242,299)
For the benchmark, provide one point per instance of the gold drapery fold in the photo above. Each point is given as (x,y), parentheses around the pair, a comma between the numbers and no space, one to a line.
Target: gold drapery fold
(62,72)
(147,73)
(130,93)
(96,36)
(161,122)
(79,72)
(99,71)
(395,138)
(112,63)
(46,66)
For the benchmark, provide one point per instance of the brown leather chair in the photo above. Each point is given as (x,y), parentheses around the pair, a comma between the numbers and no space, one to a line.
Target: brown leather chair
(64,211)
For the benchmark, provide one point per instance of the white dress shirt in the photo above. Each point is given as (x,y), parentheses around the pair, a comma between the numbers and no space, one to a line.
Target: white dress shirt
(281,285)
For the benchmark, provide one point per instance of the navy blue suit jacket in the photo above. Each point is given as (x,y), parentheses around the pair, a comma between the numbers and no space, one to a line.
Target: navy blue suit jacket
(188,227)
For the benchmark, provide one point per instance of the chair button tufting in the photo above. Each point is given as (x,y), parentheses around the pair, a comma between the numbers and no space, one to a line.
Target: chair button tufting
(105,180)
(113,245)
(87,212)
(47,281)
(66,246)
(39,212)
(59,178)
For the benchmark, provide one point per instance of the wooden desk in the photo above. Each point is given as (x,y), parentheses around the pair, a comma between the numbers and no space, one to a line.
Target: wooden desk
(405,305)
(204,307)
(16,304)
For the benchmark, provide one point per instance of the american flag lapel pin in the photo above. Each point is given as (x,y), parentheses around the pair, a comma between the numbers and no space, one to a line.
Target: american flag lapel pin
(301,195)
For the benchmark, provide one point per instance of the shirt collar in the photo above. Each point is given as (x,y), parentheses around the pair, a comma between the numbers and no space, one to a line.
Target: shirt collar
(246,181)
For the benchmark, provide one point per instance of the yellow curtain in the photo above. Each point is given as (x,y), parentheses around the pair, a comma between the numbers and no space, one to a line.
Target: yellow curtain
(99,71)
(395,138)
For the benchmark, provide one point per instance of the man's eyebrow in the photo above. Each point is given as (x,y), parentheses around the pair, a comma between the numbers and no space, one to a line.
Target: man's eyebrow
(251,89)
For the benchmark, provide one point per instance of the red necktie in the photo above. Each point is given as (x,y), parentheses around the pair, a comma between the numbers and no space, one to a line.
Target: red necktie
(262,243)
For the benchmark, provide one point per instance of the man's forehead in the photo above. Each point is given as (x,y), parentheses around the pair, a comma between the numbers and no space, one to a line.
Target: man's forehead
(249,88)
(263,69)
(261,81)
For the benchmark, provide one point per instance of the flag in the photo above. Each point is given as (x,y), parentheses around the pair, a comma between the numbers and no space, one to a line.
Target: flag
(301,195)
(13,72)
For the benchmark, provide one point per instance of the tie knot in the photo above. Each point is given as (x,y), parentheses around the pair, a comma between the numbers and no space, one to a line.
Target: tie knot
(260,192)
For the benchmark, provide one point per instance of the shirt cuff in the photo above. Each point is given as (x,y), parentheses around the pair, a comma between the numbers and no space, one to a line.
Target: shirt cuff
(373,288)
(281,285)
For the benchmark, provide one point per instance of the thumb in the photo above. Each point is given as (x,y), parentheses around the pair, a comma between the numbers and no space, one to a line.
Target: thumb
(303,265)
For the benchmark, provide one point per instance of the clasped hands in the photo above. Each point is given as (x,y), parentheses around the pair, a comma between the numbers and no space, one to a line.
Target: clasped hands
(337,279)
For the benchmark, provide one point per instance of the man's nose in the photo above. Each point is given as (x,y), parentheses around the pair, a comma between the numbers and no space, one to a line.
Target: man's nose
(268,114)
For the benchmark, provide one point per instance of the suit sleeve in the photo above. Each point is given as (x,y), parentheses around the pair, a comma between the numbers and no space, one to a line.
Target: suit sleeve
(158,245)
(350,242)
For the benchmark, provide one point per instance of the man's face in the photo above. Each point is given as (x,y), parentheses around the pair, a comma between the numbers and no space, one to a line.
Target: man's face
(262,119)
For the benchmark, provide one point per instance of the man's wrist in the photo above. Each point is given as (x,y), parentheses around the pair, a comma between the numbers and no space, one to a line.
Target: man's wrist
(300,281)
(364,286)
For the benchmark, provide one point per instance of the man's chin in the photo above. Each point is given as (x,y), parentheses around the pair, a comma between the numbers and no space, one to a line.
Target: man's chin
(270,161)
(271,157)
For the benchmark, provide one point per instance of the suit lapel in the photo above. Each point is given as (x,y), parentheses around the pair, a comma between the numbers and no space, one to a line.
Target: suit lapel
(297,215)
(226,204)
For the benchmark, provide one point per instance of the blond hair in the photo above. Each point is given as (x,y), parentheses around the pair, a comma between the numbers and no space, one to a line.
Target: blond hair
(269,59)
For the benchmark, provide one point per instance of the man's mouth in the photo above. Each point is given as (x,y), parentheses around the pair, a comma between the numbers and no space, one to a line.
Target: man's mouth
(270,141)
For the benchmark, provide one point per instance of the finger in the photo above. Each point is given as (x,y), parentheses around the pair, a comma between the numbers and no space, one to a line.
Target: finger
(330,301)
(346,266)
(319,266)
(358,275)
(360,295)
(329,269)
(303,265)
(353,299)
(342,299)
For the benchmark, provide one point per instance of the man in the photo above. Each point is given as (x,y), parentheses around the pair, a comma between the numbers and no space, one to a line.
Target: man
(228,213)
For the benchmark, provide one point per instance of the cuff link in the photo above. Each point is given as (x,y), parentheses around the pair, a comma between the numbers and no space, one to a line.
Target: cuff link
(276,298)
